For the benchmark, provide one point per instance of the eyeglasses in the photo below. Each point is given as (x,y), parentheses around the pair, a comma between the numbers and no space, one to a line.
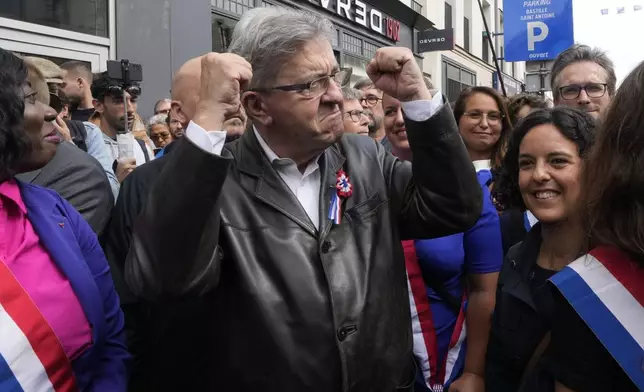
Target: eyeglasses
(593,90)
(492,117)
(371,100)
(160,136)
(315,87)
(356,115)
(116,91)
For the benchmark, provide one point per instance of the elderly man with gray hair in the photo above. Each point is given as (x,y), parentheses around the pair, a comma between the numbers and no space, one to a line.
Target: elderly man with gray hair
(290,235)
(583,78)
(356,119)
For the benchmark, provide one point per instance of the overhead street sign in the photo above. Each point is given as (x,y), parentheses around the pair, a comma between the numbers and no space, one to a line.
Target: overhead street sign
(536,30)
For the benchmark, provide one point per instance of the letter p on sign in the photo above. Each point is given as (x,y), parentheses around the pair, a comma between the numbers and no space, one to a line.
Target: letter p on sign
(533,37)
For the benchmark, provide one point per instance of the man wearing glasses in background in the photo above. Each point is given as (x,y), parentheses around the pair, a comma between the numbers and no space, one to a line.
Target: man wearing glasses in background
(372,100)
(583,78)
(356,119)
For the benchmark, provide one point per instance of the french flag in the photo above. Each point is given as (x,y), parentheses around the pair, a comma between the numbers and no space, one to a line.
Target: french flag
(31,356)
(607,291)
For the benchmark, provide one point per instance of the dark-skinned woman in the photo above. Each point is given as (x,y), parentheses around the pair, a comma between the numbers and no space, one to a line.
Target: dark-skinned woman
(60,321)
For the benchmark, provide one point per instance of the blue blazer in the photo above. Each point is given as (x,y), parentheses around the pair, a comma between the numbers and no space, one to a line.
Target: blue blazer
(73,246)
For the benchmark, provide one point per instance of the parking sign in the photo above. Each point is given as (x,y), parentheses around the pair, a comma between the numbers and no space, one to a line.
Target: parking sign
(535,30)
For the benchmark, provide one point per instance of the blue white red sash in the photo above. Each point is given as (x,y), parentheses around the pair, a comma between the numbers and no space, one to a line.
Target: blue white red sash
(31,356)
(607,291)
(437,377)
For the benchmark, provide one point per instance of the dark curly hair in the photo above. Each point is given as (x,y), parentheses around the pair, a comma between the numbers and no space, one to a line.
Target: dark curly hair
(14,142)
(614,177)
(576,126)
(517,102)
(459,110)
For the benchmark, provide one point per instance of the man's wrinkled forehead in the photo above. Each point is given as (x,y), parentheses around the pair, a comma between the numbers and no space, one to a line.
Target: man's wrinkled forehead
(314,60)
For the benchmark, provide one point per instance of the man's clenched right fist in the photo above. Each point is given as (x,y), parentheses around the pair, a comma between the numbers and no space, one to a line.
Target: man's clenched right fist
(223,77)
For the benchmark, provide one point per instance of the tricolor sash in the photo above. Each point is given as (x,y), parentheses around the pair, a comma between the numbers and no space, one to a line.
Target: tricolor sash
(436,376)
(606,289)
(31,356)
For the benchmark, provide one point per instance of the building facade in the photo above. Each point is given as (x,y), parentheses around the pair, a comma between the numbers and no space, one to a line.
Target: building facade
(60,30)
(361,27)
(471,62)
(162,34)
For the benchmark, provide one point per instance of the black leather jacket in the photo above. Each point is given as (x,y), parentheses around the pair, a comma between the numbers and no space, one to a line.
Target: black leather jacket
(293,308)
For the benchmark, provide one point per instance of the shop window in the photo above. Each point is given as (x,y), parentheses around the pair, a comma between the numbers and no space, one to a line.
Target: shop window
(456,79)
(370,50)
(351,44)
(237,7)
(349,61)
(81,16)
(222,32)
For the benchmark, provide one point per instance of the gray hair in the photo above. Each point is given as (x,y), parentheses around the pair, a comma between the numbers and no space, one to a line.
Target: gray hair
(269,37)
(159,102)
(351,93)
(156,120)
(579,53)
(363,83)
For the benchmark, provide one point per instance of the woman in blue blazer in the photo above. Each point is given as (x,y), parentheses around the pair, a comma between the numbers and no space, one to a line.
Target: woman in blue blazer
(61,328)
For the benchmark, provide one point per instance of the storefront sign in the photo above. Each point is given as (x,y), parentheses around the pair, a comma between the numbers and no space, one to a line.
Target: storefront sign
(511,85)
(435,40)
(365,15)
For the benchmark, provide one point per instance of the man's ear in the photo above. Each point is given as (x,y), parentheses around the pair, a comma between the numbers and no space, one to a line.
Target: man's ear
(99,107)
(256,107)
(177,113)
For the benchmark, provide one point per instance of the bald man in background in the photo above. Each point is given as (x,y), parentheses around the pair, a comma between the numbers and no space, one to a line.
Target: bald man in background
(155,334)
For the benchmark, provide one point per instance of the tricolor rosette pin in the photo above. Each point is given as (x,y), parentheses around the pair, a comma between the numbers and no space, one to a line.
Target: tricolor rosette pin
(343,190)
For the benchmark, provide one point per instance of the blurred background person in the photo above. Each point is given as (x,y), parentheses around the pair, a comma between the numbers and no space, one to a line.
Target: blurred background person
(162,106)
(540,172)
(110,111)
(76,89)
(140,131)
(372,100)
(57,294)
(159,130)
(355,117)
(523,104)
(175,126)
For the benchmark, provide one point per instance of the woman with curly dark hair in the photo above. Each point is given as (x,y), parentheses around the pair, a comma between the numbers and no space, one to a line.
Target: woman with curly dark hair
(597,342)
(540,172)
(60,321)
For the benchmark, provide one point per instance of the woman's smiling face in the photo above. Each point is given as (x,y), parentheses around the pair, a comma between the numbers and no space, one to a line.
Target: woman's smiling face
(549,168)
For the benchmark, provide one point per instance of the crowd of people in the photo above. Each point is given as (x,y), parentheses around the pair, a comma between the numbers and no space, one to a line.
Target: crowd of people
(274,228)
